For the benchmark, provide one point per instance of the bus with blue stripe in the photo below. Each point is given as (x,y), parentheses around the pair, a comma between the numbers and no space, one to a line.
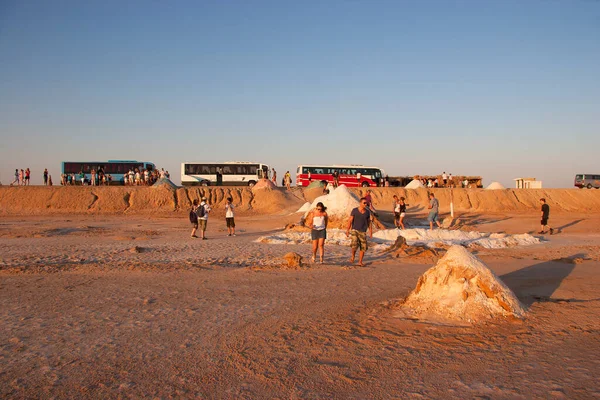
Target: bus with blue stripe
(115,168)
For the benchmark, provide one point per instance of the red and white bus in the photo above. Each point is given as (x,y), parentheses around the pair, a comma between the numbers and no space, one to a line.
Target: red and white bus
(349,175)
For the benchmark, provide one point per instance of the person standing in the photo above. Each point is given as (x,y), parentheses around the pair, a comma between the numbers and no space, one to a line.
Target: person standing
(318,230)
(45,176)
(274,177)
(399,212)
(336,178)
(359,222)
(545,216)
(450,180)
(202,212)
(434,207)
(27,176)
(444,178)
(229,217)
(358,177)
(287,180)
(194,218)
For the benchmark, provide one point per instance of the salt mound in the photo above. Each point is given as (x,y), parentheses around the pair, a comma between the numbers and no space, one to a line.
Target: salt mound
(305,207)
(264,184)
(461,287)
(339,202)
(495,186)
(165,182)
(414,184)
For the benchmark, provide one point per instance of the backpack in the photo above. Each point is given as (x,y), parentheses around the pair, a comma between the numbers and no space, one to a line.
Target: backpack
(200,211)
(193,216)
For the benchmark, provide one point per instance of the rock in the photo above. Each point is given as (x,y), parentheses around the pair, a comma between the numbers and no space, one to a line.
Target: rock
(294,260)
(461,287)
(135,249)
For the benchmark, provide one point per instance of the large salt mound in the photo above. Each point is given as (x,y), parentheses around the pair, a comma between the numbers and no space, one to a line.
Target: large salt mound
(305,207)
(461,287)
(495,186)
(339,202)
(414,184)
(264,184)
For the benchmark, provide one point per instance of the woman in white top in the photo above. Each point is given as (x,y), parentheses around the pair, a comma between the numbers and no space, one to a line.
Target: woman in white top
(318,220)
(229,218)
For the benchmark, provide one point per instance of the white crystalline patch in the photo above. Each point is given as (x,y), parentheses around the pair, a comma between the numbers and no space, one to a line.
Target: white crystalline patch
(414,184)
(495,186)
(423,236)
(305,207)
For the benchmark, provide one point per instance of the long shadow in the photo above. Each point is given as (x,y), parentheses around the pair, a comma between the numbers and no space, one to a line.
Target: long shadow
(560,228)
(538,282)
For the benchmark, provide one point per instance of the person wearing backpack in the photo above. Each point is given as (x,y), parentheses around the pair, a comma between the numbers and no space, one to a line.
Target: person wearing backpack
(194,218)
(202,213)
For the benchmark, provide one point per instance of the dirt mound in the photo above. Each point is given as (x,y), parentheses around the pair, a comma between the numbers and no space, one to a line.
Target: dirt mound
(461,287)
(316,184)
(264,184)
(165,182)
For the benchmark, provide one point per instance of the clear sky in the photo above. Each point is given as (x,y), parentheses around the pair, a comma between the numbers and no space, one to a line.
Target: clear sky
(496,88)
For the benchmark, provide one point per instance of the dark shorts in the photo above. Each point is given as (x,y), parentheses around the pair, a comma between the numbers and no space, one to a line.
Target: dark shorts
(318,234)
(230,222)
(195,225)
(544,221)
(396,215)
(359,240)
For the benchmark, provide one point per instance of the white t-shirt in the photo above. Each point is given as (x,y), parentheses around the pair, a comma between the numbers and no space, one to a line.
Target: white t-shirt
(229,210)
(206,210)
(444,176)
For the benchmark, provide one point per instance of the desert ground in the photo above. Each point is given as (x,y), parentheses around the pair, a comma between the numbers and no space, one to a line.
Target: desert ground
(103,294)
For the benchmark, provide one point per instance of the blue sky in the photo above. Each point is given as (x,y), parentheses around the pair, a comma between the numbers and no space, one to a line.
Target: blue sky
(501,89)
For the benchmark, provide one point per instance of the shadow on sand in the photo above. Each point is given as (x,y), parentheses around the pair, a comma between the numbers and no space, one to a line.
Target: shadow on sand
(560,228)
(537,283)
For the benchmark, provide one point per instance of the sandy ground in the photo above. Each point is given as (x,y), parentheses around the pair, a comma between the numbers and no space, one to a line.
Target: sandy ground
(130,306)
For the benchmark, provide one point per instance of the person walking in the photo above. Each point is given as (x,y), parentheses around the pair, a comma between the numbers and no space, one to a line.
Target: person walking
(288,180)
(434,207)
(318,230)
(545,215)
(359,222)
(16,180)
(27,176)
(399,212)
(229,217)
(274,177)
(194,218)
(202,212)
(46,176)
(336,178)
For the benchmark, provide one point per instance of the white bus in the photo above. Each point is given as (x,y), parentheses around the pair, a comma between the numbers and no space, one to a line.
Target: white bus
(231,173)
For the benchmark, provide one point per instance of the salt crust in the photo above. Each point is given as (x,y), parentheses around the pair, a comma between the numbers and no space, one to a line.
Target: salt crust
(461,287)
(415,184)
(426,237)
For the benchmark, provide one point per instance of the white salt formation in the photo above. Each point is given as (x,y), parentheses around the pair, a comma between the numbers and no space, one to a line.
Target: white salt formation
(495,186)
(414,184)
(461,287)
(305,207)
(339,202)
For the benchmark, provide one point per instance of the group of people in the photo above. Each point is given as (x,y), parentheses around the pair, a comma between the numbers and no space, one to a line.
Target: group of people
(144,177)
(286,181)
(22,177)
(199,217)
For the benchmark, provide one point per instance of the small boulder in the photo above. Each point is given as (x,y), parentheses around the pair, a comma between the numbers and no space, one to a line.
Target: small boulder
(294,260)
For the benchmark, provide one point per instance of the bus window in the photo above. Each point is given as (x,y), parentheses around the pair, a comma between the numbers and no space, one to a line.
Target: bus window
(227,170)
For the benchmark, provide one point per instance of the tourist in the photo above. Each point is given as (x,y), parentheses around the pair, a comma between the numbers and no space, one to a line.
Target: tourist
(16,180)
(82,177)
(336,178)
(466,183)
(126,179)
(45,176)
(49,180)
(288,180)
(359,222)
(274,177)
(202,212)
(318,220)
(434,207)
(27,176)
(167,175)
(450,180)
(369,201)
(403,206)
(229,217)
(93,176)
(194,218)
(444,178)
(396,208)
(358,176)
(399,212)
(146,177)
(545,215)
(309,177)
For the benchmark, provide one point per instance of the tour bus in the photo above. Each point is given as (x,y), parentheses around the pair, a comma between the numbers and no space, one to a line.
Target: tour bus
(114,168)
(229,173)
(349,175)
(587,181)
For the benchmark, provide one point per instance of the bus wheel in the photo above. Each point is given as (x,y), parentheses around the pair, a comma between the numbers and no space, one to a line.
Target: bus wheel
(251,183)
(589,186)
(204,183)
(365,184)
